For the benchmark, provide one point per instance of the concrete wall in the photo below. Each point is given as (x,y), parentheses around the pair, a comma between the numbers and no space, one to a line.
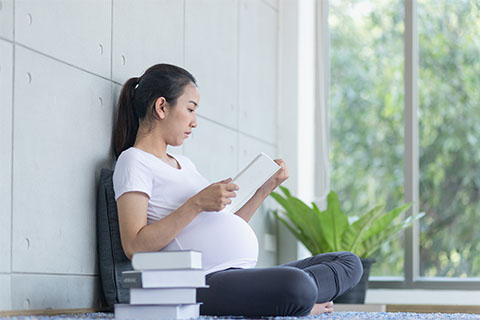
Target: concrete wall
(62,64)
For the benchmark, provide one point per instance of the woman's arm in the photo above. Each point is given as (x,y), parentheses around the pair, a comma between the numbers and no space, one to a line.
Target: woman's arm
(137,236)
(246,212)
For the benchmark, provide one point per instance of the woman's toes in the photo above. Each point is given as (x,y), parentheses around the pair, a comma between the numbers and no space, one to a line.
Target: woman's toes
(319,308)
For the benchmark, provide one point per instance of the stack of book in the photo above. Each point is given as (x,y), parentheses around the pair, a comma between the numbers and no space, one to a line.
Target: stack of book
(163,285)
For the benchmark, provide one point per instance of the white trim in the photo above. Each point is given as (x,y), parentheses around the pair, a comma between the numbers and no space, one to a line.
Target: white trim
(322,128)
(422,297)
(288,114)
(306,100)
(296,114)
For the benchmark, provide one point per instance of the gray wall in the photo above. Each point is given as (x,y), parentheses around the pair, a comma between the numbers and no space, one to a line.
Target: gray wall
(62,64)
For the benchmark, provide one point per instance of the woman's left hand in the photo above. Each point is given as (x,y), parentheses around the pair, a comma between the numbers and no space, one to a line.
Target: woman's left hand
(277,179)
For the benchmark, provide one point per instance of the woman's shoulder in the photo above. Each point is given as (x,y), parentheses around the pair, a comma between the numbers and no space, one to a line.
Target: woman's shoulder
(132,152)
(132,173)
(132,157)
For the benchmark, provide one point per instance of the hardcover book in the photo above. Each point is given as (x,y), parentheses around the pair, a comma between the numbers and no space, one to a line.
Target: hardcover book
(157,260)
(163,295)
(156,312)
(163,279)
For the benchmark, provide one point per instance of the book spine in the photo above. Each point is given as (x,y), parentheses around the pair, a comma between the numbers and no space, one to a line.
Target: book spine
(169,265)
(163,296)
(136,280)
(169,260)
(132,280)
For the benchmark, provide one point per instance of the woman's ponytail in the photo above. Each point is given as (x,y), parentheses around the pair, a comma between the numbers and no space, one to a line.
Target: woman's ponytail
(126,127)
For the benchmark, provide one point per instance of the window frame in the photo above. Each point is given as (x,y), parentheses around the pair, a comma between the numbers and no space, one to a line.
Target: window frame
(412,278)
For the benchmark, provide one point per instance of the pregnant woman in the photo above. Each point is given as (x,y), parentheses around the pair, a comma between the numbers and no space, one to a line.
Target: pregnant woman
(164,203)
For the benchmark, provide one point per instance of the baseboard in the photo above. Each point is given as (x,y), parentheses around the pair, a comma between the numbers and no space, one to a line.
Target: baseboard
(346,307)
(48,312)
(421,308)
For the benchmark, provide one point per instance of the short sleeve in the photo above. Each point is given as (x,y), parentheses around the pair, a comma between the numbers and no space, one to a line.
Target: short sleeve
(132,174)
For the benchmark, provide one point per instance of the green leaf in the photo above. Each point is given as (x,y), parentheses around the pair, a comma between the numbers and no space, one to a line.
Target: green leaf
(304,216)
(372,244)
(285,191)
(282,201)
(321,222)
(291,211)
(336,221)
(309,244)
(384,221)
(301,216)
(354,233)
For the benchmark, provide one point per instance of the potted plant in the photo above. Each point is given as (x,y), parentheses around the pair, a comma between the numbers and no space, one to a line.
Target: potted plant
(331,230)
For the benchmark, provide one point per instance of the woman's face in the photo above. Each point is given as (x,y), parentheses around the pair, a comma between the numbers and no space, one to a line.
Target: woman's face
(182,118)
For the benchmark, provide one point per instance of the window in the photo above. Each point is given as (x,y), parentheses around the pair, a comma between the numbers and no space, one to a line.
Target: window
(367,104)
(449,113)
(366,108)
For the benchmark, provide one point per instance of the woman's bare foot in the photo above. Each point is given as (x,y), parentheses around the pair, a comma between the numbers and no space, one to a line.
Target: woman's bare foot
(320,308)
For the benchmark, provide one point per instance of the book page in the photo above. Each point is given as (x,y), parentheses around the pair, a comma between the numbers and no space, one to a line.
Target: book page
(252,177)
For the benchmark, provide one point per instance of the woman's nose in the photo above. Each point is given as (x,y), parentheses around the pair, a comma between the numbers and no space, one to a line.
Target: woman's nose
(194,123)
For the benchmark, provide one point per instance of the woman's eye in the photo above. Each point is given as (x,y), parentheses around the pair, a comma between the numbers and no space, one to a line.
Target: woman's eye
(191,110)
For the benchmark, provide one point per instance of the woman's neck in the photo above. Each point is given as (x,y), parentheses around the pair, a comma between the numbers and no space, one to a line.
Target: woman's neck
(151,143)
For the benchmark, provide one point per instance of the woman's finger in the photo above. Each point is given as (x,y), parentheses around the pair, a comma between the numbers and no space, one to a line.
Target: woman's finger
(232,187)
(230,195)
(228,180)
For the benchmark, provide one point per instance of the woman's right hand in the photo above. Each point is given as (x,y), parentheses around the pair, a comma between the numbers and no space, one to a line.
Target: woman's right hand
(216,196)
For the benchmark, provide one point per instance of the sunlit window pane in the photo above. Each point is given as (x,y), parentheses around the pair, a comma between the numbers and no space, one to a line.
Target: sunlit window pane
(449,99)
(366,112)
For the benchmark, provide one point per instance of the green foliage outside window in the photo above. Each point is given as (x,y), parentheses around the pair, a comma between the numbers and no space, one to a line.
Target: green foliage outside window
(366,111)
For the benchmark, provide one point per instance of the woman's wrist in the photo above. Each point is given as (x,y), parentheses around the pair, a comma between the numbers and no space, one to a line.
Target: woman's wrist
(265,190)
(193,205)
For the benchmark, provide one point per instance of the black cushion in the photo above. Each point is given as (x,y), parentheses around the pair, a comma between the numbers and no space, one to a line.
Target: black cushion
(112,259)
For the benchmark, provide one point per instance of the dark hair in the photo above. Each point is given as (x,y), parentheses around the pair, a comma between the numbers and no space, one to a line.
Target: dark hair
(138,96)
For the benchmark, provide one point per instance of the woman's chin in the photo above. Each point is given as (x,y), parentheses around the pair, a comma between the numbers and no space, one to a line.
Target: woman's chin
(175,143)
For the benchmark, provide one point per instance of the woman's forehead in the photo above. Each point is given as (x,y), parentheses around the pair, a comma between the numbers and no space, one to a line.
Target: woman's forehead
(191,93)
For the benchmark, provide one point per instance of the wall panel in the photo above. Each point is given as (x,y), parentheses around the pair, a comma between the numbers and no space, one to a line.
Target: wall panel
(213,149)
(6,69)
(64,71)
(78,32)
(146,33)
(258,69)
(272,3)
(6,19)
(5,292)
(35,292)
(62,138)
(262,222)
(211,55)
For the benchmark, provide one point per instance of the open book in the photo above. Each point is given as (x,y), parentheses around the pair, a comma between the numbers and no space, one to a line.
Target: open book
(252,177)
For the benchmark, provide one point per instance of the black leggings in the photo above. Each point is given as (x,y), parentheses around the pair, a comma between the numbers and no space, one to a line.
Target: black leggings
(290,289)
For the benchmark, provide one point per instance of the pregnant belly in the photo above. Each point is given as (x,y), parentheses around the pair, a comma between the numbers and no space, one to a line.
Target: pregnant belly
(225,240)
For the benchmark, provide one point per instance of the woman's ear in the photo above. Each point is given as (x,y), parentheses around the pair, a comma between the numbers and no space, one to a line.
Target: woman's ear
(161,108)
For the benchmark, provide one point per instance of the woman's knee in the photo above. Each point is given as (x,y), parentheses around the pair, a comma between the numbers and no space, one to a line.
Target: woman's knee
(299,293)
(353,266)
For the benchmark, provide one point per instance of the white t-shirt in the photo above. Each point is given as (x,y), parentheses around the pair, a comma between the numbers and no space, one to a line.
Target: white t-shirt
(225,239)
